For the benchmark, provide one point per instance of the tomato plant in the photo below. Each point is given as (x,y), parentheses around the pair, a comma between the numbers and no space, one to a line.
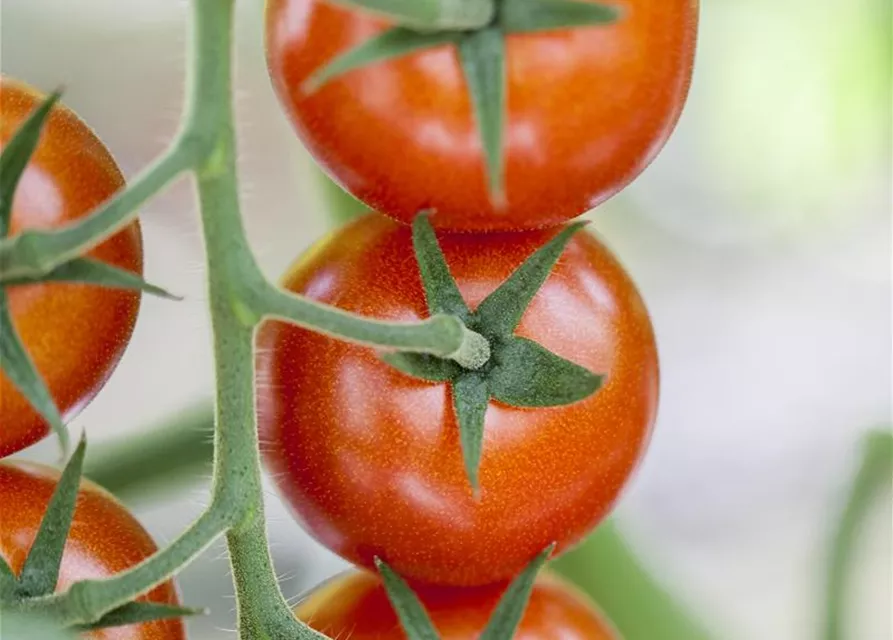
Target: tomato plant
(104,540)
(356,605)
(370,458)
(586,109)
(74,333)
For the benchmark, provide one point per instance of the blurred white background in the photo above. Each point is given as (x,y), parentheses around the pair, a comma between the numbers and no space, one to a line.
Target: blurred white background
(760,238)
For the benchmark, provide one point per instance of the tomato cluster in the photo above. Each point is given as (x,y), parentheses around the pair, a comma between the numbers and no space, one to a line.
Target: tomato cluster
(455,474)
(370,457)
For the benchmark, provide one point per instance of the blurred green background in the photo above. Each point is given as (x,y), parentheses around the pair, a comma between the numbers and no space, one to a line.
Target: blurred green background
(760,239)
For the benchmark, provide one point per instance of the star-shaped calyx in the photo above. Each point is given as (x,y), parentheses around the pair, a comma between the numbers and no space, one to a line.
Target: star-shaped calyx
(519,372)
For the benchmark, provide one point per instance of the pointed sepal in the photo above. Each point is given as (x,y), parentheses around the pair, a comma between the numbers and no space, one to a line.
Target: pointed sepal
(7,582)
(471,396)
(95,272)
(441,291)
(389,45)
(482,55)
(41,569)
(511,607)
(529,375)
(415,620)
(137,612)
(16,154)
(527,16)
(502,310)
(423,366)
(18,366)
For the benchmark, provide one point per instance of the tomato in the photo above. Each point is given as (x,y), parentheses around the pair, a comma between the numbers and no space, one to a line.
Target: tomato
(356,606)
(104,540)
(74,333)
(369,458)
(587,110)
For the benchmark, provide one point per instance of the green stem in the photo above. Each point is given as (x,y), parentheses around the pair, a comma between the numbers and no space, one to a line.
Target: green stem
(34,252)
(430,15)
(607,569)
(874,473)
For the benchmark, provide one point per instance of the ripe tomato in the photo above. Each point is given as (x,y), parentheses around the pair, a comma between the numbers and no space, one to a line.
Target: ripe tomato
(356,606)
(75,333)
(104,540)
(587,110)
(370,459)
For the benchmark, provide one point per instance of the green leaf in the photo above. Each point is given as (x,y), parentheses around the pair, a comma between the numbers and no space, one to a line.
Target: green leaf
(423,366)
(525,16)
(513,603)
(441,291)
(15,625)
(415,620)
(89,271)
(19,368)
(136,612)
(391,44)
(482,54)
(41,570)
(471,395)
(529,375)
(17,153)
(502,310)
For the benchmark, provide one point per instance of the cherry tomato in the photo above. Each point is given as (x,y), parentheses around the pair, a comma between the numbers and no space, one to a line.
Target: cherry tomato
(104,540)
(74,333)
(370,459)
(587,110)
(356,606)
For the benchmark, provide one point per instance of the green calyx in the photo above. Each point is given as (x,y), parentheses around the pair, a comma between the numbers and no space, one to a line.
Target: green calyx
(40,572)
(481,48)
(519,372)
(503,622)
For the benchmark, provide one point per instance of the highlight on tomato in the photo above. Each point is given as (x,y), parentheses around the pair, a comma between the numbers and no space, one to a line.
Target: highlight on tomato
(356,605)
(530,121)
(372,460)
(74,333)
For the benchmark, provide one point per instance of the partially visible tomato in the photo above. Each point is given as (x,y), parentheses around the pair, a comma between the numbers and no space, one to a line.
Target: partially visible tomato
(104,540)
(356,606)
(587,110)
(369,458)
(74,333)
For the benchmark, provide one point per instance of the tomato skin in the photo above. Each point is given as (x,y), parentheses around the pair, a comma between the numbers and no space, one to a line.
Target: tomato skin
(105,539)
(587,110)
(74,333)
(356,606)
(369,459)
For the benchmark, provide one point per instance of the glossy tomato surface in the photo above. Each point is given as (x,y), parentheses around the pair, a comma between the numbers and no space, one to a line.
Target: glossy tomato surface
(356,606)
(587,110)
(369,458)
(104,540)
(74,333)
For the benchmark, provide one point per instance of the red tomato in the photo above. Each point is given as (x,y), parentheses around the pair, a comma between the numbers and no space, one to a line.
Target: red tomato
(104,540)
(75,333)
(369,458)
(356,606)
(587,110)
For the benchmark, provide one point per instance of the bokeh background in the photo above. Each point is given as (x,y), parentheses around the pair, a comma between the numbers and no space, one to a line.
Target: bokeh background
(760,238)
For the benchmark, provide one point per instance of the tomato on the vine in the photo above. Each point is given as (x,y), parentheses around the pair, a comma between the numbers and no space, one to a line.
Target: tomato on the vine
(369,458)
(356,606)
(104,540)
(587,109)
(74,333)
